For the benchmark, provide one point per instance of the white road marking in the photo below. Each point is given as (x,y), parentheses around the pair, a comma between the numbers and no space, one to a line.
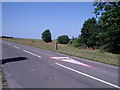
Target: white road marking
(32,53)
(70,60)
(9,44)
(100,80)
(16,47)
(67,59)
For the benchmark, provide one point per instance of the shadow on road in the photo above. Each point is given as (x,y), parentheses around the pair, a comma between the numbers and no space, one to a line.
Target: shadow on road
(13,59)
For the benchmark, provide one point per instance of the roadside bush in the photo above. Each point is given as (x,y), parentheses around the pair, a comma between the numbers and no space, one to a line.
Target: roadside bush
(33,41)
(75,43)
(64,39)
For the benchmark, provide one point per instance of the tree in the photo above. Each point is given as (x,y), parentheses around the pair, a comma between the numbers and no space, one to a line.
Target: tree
(6,37)
(46,36)
(89,32)
(109,34)
(64,39)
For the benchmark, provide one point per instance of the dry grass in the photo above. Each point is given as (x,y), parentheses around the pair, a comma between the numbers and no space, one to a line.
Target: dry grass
(95,55)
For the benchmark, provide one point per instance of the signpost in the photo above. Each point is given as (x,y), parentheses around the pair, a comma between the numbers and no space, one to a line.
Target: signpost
(56,45)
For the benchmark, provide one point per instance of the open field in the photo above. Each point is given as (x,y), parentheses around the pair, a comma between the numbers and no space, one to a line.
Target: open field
(95,55)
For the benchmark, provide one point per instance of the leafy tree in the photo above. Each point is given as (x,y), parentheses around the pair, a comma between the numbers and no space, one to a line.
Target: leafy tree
(46,36)
(109,21)
(64,39)
(89,32)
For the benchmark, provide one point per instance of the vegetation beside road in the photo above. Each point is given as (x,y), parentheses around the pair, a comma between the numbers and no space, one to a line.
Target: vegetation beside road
(95,55)
(103,31)
(0,78)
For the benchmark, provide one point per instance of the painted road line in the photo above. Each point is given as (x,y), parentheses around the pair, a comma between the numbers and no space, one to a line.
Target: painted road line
(87,75)
(16,47)
(9,44)
(32,53)
(70,60)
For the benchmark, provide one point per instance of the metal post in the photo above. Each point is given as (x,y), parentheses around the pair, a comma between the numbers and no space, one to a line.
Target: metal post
(56,45)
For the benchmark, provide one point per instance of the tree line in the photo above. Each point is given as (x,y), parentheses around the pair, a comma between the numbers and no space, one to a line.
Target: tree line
(103,33)
(100,32)
(6,37)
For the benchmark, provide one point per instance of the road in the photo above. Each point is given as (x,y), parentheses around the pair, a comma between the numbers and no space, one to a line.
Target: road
(29,67)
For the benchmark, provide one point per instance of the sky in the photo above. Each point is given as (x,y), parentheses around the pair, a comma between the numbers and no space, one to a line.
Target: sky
(30,19)
(0,18)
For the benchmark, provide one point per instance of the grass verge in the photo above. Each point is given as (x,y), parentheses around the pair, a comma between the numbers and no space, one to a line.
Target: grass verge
(4,81)
(95,55)
(0,78)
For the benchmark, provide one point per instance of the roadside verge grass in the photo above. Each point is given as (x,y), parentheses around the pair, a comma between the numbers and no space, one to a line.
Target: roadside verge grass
(0,78)
(95,55)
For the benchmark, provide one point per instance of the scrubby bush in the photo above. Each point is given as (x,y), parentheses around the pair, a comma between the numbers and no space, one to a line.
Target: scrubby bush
(75,43)
(64,39)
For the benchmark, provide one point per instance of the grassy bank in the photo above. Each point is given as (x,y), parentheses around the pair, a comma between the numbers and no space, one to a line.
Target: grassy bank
(95,55)
(0,65)
(0,78)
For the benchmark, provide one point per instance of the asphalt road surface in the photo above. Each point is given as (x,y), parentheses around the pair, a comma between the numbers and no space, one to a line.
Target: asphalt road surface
(29,67)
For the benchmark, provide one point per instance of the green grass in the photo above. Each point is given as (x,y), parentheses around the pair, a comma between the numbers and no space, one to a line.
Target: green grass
(4,81)
(95,55)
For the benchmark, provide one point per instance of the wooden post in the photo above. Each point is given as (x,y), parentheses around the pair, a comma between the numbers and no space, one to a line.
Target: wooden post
(56,45)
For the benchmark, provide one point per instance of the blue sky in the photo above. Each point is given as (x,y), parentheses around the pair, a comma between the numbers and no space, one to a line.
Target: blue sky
(30,19)
(0,18)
